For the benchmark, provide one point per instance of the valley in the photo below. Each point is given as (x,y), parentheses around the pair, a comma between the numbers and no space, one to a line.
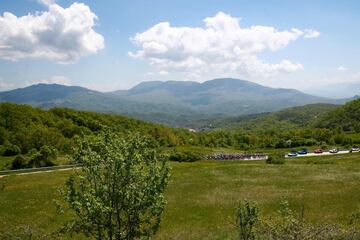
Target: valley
(179,120)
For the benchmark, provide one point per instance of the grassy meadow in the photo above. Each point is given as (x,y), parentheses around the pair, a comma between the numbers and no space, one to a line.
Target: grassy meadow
(202,196)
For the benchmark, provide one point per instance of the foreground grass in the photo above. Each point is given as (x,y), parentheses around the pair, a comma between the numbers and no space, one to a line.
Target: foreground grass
(202,196)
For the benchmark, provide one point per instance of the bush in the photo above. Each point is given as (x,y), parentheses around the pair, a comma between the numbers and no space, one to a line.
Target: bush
(32,152)
(11,150)
(275,159)
(43,158)
(185,156)
(247,214)
(19,162)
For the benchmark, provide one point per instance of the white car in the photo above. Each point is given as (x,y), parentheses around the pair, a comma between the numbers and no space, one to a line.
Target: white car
(292,154)
(355,149)
(335,150)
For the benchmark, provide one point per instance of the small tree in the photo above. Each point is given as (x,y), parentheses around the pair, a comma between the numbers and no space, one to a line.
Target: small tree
(118,192)
(247,214)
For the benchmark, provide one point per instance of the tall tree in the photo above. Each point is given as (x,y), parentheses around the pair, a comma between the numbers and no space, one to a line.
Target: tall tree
(118,191)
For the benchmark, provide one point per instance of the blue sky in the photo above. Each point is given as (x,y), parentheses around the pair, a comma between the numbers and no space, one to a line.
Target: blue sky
(102,61)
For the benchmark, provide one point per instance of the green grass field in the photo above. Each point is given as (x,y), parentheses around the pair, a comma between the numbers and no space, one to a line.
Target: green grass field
(202,196)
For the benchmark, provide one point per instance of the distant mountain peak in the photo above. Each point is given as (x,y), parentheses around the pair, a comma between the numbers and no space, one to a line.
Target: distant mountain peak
(168,101)
(42,92)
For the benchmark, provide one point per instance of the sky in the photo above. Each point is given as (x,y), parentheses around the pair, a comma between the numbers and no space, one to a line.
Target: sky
(111,45)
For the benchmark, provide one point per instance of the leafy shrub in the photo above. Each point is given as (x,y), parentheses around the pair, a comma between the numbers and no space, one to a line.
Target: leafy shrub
(247,214)
(44,157)
(185,156)
(19,162)
(11,150)
(275,159)
(32,152)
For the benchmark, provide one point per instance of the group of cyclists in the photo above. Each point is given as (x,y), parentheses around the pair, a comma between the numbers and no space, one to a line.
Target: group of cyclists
(237,156)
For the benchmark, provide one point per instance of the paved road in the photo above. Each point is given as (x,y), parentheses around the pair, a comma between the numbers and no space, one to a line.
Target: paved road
(320,154)
(38,170)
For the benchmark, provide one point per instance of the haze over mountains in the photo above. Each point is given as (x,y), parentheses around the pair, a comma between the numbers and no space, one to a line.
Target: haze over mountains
(337,90)
(176,103)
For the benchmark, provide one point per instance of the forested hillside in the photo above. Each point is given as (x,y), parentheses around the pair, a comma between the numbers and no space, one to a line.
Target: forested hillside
(24,128)
(346,117)
(294,117)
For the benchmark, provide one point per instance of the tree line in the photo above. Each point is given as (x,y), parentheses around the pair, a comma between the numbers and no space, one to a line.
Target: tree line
(24,130)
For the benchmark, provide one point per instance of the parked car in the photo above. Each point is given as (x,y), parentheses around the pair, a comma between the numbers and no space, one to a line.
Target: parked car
(292,154)
(355,149)
(335,150)
(318,151)
(302,152)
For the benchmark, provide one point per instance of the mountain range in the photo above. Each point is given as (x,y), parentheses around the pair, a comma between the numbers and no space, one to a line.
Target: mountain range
(175,103)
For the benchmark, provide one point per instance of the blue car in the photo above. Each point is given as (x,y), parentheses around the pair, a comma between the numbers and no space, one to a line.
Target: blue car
(302,152)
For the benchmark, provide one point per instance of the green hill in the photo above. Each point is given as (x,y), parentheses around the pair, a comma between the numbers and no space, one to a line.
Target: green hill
(295,117)
(28,127)
(346,117)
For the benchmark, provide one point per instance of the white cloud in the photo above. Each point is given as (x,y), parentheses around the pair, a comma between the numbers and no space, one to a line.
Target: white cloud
(47,2)
(222,47)
(311,33)
(5,85)
(162,72)
(60,34)
(52,80)
(342,68)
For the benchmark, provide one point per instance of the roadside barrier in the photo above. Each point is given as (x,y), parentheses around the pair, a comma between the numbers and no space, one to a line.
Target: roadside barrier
(237,156)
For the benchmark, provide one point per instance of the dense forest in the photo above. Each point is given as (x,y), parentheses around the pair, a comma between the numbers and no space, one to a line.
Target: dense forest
(24,129)
(28,128)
